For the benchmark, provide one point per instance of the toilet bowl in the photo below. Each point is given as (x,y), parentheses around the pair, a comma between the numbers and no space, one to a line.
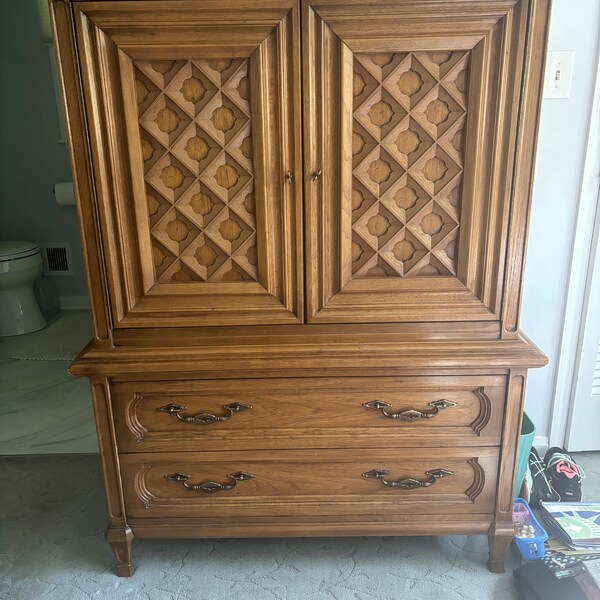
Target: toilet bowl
(20,265)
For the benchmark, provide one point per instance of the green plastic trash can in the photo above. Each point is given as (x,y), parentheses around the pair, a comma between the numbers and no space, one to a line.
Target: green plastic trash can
(525,443)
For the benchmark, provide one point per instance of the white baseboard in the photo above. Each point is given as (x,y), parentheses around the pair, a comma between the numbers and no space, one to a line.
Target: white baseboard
(541,444)
(73,302)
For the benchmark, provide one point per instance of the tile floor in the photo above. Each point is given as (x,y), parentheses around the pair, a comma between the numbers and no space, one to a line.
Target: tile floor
(43,410)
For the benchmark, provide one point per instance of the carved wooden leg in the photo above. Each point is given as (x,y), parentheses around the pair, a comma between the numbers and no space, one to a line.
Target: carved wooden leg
(121,541)
(498,549)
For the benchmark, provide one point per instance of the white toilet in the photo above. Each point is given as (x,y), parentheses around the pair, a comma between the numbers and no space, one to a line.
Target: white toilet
(20,265)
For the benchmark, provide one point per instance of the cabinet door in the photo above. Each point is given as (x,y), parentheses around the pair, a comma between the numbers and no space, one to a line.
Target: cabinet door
(411,111)
(192,108)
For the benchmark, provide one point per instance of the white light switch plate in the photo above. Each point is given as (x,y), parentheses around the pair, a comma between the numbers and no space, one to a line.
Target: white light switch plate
(559,74)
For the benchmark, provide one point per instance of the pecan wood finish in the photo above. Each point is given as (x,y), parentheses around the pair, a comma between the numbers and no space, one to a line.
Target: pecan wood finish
(304,280)
(195,128)
(407,143)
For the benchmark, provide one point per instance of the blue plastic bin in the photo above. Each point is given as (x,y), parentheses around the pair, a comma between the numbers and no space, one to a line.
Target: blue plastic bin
(530,548)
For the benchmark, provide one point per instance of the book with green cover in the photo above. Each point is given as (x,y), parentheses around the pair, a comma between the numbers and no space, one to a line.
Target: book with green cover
(576,523)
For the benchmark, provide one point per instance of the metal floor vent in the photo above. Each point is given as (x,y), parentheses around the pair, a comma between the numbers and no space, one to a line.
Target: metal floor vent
(57,259)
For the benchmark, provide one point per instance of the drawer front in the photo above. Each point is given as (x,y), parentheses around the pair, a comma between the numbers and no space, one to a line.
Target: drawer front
(304,482)
(309,413)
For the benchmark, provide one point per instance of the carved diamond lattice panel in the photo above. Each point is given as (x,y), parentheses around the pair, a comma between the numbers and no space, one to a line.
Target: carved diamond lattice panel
(410,113)
(195,135)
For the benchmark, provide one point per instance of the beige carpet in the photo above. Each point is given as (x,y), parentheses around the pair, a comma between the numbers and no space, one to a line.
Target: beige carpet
(51,546)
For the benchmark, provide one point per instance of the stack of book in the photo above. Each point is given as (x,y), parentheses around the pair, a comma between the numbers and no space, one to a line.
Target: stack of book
(575,524)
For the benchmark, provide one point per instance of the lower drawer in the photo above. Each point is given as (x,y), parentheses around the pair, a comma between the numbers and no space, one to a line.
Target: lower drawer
(310,482)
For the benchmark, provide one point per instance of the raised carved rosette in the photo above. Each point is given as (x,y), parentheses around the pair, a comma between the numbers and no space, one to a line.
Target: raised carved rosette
(408,146)
(195,136)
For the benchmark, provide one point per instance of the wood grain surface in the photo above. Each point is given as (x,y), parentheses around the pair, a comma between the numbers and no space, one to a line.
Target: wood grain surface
(285,219)
(301,482)
(313,413)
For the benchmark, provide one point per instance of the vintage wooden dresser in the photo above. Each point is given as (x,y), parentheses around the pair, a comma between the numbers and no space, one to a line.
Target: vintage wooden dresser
(304,224)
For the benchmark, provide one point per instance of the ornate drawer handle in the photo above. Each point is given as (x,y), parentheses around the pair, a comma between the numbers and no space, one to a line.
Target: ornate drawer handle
(409,483)
(209,487)
(204,418)
(316,174)
(412,414)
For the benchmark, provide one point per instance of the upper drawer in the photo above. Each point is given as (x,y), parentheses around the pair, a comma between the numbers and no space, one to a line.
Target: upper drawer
(308,413)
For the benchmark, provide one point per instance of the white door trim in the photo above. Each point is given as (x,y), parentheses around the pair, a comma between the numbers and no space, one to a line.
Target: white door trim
(584,250)
(579,435)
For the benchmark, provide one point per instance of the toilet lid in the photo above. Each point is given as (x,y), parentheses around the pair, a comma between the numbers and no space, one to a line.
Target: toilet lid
(12,250)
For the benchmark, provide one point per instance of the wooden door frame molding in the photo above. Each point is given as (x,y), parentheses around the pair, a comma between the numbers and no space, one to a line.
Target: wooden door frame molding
(69,81)
(480,297)
(271,39)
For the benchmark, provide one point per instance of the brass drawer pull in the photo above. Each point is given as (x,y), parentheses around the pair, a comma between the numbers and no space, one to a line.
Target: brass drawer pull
(204,418)
(316,174)
(412,414)
(209,487)
(409,483)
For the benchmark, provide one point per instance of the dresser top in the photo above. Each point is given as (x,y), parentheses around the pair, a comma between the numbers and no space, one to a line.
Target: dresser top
(265,356)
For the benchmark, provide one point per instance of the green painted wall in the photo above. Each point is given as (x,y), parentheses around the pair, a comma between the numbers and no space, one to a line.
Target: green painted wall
(31,158)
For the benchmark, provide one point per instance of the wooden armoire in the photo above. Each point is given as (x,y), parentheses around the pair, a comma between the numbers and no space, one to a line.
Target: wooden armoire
(304,223)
